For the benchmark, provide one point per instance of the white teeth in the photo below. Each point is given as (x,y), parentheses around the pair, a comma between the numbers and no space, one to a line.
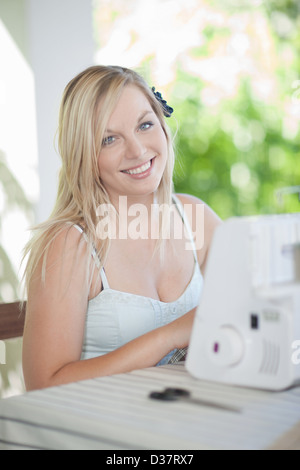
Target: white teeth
(139,170)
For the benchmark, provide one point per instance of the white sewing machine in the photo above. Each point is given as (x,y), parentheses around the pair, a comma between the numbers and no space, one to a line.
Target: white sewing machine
(247,327)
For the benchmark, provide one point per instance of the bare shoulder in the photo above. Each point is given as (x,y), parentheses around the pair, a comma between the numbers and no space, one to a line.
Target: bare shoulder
(68,246)
(203,219)
(211,218)
(69,239)
(65,261)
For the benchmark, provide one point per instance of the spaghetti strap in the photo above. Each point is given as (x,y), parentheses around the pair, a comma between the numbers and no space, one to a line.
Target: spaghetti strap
(94,252)
(79,228)
(186,223)
(105,284)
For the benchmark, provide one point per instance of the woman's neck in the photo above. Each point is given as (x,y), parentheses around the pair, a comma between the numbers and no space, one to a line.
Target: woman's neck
(123,202)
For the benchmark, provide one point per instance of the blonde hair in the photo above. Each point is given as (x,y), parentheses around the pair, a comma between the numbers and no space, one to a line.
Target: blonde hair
(87,104)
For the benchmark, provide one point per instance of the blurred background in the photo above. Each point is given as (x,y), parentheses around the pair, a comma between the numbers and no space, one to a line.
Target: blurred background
(230,69)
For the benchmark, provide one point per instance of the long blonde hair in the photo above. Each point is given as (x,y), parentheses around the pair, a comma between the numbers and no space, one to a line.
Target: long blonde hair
(87,104)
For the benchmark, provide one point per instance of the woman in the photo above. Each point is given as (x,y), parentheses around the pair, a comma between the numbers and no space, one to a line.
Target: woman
(104,299)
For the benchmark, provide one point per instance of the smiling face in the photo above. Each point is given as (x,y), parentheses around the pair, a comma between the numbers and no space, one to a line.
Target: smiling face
(134,151)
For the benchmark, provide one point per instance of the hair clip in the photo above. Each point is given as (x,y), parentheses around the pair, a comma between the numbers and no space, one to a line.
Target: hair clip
(168,111)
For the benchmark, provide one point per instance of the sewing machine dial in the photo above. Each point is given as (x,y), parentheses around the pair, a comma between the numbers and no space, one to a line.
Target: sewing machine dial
(225,348)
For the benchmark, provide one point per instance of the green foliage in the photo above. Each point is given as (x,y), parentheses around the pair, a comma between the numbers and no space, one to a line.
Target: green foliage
(237,155)
(234,160)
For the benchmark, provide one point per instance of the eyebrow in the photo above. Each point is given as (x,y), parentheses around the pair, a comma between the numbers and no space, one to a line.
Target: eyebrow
(143,115)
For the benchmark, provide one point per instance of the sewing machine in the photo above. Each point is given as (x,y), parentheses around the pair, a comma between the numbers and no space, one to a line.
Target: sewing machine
(247,327)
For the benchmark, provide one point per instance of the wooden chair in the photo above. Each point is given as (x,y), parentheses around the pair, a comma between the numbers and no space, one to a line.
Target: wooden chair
(12,319)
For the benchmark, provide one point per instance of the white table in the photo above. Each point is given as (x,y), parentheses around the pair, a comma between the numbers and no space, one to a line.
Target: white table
(115,413)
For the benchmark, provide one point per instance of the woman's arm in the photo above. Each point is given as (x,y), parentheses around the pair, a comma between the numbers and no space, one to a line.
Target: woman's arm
(55,322)
(144,351)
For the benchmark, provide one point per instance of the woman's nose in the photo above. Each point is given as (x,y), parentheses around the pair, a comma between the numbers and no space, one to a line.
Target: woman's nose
(135,148)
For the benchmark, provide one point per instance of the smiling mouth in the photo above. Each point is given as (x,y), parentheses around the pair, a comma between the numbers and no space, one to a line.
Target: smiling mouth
(140,169)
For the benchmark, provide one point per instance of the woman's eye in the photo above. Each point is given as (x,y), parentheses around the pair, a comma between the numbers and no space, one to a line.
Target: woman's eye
(108,140)
(146,125)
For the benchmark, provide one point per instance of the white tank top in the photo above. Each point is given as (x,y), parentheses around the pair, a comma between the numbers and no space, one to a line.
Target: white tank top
(114,318)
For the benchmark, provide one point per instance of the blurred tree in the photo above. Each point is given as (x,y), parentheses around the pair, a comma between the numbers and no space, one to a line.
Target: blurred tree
(236,155)
(234,160)
(13,197)
(231,69)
